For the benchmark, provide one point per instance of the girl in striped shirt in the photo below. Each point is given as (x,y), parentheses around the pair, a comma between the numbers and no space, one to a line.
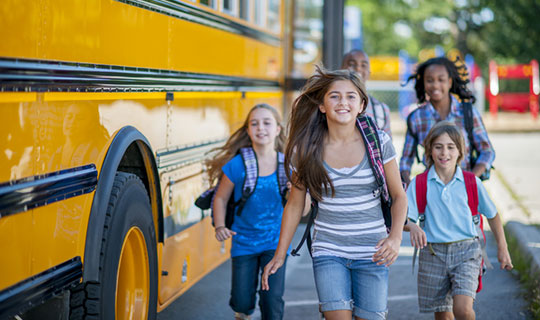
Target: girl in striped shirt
(351,249)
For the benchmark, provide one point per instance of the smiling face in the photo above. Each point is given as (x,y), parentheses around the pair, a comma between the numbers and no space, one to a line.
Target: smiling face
(437,82)
(445,152)
(262,127)
(357,62)
(342,103)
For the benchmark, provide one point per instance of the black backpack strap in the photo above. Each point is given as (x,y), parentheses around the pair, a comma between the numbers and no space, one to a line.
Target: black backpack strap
(250,179)
(414,135)
(282,177)
(307,232)
(468,123)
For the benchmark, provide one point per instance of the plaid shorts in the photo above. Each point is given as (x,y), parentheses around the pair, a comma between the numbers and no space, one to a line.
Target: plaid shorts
(446,270)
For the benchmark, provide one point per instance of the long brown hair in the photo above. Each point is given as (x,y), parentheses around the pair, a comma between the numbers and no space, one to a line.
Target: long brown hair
(308,130)
(438,130)
(240,139)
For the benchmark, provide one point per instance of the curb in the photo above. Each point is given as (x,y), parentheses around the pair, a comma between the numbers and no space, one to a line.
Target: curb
(517,221)
(528,238)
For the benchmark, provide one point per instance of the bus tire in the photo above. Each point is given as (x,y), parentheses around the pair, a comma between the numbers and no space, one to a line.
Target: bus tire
(127,286)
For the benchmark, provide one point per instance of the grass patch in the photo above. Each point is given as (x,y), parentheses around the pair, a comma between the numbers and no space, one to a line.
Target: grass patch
(531,282)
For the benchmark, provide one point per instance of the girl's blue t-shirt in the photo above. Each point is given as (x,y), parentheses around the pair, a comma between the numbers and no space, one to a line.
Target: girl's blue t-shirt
(257,228)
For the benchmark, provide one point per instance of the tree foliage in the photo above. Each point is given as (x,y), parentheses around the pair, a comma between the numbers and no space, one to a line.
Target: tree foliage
(507,31)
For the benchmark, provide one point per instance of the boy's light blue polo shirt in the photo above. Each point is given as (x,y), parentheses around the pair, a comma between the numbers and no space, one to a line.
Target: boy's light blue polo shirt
(448,217)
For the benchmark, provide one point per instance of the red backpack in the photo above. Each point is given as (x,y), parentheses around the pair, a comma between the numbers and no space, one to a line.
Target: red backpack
(472,196)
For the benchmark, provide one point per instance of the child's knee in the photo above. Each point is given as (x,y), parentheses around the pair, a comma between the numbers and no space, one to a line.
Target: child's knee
(463,307)
(464,312)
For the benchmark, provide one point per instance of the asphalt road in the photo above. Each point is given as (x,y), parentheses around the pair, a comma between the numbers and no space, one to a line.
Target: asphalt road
(501,297)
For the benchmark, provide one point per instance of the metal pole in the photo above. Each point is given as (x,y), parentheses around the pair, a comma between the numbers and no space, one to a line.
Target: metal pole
(333,33)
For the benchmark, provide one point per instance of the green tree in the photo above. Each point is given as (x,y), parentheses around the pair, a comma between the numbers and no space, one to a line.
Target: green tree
(507,31)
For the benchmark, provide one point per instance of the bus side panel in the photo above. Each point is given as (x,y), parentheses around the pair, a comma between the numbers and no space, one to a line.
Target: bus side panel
(17,155)
(115,33)
(16,248)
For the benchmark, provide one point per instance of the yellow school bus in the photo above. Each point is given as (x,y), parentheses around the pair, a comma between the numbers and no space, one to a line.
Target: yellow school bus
(108,109)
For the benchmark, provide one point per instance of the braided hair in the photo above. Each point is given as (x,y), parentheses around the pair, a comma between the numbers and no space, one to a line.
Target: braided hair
(457,71)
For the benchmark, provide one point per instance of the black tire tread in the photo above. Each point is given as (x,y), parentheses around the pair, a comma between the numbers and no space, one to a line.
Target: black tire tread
(84,303)
(85,298)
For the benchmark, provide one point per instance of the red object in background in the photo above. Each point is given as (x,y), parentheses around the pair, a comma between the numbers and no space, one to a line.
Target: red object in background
(512,101)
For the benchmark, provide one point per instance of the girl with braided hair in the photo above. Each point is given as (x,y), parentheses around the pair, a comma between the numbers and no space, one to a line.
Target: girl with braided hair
(441,90)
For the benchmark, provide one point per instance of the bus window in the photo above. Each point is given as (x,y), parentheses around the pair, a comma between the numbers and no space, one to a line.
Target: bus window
(230,7)
(244,8)
(209,3)
(260,13)
(273,16)
(308,37)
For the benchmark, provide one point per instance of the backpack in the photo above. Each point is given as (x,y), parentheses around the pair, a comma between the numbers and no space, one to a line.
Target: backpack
(206,200)
(374,150)
(468,124)
(472,197)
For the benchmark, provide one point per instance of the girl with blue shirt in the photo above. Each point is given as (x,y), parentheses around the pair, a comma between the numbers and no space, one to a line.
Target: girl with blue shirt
(351,248)
(255,233)
(451,255)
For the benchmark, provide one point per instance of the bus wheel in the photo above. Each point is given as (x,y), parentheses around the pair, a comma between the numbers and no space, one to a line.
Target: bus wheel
(127,287)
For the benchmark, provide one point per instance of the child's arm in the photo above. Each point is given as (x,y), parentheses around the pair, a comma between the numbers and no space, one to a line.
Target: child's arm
(291,217)
(418,236)
(223,193)
(502,249)
(388,248)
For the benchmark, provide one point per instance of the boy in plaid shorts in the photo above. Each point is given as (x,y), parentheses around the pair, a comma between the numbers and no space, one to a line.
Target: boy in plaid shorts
(450,250)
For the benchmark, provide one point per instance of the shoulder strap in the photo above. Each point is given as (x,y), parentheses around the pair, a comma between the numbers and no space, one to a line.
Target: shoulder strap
(374,150)
(374,103)
(472,197)
(468,123)
(421,202)
(414,135)
(250,179)
(282,177)
(421,192)
(307,233)
(472,191)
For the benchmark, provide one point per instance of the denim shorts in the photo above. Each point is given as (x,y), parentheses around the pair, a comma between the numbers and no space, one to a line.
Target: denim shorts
(358,285)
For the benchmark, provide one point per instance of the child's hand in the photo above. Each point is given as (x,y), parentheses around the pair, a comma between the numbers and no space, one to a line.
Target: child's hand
(271,268)
(224,233)
(504,258)
(418,236)
(388,250)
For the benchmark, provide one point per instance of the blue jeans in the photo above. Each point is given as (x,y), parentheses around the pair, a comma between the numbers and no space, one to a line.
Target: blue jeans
(358,285)
(246,272)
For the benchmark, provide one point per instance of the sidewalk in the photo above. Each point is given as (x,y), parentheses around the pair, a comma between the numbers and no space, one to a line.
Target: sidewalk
(516,198)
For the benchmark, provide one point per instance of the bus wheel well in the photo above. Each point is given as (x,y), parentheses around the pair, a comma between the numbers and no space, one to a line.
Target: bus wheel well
(132,162)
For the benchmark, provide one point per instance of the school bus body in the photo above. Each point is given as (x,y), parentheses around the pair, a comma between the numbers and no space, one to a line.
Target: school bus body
(91,88)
